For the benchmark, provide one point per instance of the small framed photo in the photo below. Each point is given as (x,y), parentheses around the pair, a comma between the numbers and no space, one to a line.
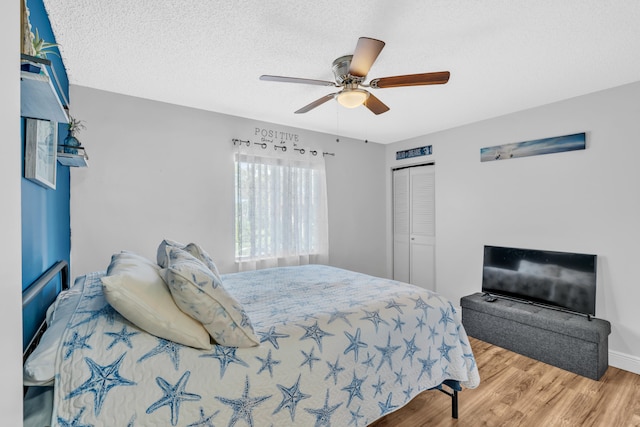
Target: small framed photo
(41,140)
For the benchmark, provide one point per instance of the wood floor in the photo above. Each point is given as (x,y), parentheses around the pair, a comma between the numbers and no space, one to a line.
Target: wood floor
(518,391)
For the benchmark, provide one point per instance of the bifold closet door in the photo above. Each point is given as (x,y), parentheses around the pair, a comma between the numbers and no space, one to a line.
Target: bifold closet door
(414,225)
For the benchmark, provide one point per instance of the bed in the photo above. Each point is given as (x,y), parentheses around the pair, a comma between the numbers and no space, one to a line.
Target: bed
(332,348)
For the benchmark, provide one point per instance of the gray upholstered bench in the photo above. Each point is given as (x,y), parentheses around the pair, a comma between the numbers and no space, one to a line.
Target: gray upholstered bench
(568,341)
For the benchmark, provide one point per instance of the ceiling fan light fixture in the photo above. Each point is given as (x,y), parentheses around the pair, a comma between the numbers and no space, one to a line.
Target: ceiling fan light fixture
(352,98)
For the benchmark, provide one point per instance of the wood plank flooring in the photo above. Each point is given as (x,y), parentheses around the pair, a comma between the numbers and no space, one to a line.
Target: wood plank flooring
(518,391)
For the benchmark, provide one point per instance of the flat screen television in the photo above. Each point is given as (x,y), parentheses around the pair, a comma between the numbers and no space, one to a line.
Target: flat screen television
(560,280)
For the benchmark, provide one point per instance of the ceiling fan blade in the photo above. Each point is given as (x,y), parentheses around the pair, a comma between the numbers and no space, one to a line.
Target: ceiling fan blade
(437,78)
(375,105)
(367,50)
(296,80)
(316,103)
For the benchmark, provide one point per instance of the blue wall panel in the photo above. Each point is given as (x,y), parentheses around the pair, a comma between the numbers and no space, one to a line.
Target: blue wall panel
(46,236)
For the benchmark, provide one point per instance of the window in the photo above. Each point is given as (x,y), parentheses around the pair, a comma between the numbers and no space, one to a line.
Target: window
(281,211)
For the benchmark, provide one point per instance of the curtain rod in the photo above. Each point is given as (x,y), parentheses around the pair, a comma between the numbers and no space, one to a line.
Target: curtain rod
(264,146)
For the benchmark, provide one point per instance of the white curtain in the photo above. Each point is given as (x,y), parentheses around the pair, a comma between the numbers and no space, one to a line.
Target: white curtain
(281,208)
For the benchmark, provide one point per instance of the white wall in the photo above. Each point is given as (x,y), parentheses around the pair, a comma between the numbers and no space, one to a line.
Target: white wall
(581,201)
(158,171)
(10,229)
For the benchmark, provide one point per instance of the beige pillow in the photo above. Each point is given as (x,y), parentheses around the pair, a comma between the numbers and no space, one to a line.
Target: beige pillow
(134,288)
(200,293)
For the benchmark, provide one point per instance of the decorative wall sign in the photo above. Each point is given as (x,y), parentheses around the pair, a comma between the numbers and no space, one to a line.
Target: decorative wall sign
(41,139)
(414,152)
(275,136)
(535,147)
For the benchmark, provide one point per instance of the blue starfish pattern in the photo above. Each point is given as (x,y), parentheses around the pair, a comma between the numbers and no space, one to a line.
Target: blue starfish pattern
(107,312)
(309,359)
(378,386)
(445,318)
(456,334)
(354,388)
(101,381)
(165,346)
(75,422)
(386,407)
(399,376)
(336,314)
(420,323)
(204,421)
(355,416)
(386,353)
(432,334)
(470,359)
(354,344)
(290,398)
(368,361)
(427,364)
(398,321)
(323,415)
(267,363)
(243,407)
(173,396)
(411,348)
(334,370)
(272,336)
(225,356)
(420,304)
(394,304)
(444,350)
(315,333)
(122,336)
(75,343)
(245,322)
(408,393)
(374,317)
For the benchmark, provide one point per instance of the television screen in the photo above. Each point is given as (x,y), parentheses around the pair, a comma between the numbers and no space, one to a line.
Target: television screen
(559,279)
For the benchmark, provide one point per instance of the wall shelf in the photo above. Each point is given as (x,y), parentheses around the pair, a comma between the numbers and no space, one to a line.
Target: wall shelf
(38,97)
(78,159)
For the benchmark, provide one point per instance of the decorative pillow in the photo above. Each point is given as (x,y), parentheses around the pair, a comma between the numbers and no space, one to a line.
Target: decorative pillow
(192,248)
(134,288)
(549,270)
(200,293)
(39,369)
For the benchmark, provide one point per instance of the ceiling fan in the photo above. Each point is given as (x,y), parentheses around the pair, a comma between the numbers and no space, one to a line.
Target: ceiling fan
(350,72)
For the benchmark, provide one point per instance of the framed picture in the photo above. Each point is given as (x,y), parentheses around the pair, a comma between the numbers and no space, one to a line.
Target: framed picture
(41,139)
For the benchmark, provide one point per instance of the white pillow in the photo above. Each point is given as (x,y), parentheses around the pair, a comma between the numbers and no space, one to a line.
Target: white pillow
(134,288)
(200,293)
(39,368)
(192,248)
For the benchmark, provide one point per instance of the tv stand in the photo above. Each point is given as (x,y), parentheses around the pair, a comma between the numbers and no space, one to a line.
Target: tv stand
(566,340)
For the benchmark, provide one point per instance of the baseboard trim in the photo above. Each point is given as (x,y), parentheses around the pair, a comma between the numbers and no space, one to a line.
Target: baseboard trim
(624,361)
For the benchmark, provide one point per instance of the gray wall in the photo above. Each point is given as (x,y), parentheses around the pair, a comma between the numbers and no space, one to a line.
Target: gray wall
(10,222)
(581,201)
(158,171)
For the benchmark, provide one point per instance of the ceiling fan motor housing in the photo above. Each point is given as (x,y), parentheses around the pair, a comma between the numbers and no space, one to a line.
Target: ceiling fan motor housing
(340,69)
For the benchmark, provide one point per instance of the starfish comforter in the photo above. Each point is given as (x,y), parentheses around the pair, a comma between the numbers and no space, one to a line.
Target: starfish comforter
(337,348)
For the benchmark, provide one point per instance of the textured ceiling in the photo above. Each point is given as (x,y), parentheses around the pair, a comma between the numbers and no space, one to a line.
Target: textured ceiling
(503,55)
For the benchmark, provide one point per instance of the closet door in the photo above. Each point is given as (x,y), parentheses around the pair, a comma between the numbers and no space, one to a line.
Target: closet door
(401,225)
(414,226)
(422,243)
